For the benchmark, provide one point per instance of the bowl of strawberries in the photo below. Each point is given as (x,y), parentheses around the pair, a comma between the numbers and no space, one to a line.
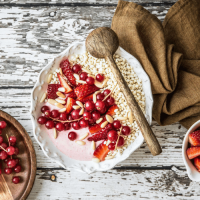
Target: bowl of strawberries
(191,151)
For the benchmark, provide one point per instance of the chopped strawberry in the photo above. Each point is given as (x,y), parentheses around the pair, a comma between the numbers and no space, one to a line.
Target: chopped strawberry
(51,91)
(70,94)
(69,105)
(88,98)
(194,138)
(84,90)
(64,84)
(111,110)
(67,71)
(193,152)
(101,151)
(102,134)
(197,163)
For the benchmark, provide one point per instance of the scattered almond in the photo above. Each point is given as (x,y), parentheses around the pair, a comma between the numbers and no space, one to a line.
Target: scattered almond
(83,136)
(43,97)
(80,81)
(55,134)
(109,119)
(61,89)
(98,84)
(103,125)
(97,92)
(76,107)
(60,71)
(105,82)
(79,103)
(60,101)
(96,160)
(121,118)
(76,76)
(93,145)
(62,110)
(60,94)
(94,98)
(49,78)
(87,70)
(52,101)
(130,117)
(99,120)
(81,111)
(59,105)
(80,142)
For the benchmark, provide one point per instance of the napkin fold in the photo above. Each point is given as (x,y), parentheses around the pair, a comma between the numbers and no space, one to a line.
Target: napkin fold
(169,53)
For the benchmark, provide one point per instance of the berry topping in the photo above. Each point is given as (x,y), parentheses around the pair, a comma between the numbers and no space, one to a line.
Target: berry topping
(76,68)
(100,105)
(17,169)
(99,77)
(11,163)
(51,91)
(111,110)
(42,120)
(111,146)
(193,152)
(117,124)
(64,84)
(112,136)
(104,110)
(126,130)
(83,76)
(16,179)
(3,124)
(8,171)
(10,150)
(67,126)
(63,116)
(49,124)
(100,96)
(69,105)
(96,115)
(194,138)
(71,94)
(197,163)
(3,145)
(83,123)
(101,151)
(106,92)
(60,126)
(75,125)
(89,105)
(88,98)
(90,81)
(47,113)
(87,115)
(44,108)
(75,114)
(54,114)
(120,141)
(110,101)
(3,155)
(72,135)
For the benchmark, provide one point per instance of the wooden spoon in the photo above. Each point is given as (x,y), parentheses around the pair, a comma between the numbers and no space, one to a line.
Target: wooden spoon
(103,43)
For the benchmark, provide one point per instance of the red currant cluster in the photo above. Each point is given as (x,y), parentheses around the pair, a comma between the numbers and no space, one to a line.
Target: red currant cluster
(7,152)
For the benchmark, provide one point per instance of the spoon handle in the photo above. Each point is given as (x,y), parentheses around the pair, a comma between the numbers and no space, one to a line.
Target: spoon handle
(147,133)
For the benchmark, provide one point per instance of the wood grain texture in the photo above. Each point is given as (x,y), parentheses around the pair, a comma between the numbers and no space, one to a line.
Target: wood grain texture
(5,192)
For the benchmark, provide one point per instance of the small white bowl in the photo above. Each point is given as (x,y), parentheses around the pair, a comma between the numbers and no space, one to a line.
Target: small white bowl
(192,172)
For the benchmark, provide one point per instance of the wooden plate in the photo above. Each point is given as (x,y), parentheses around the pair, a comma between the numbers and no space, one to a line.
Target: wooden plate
(20,191)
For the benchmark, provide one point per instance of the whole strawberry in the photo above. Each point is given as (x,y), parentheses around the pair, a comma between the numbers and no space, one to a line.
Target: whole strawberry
(194,138)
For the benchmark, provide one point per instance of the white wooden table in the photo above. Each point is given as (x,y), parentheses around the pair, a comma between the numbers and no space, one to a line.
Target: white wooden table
(31,33)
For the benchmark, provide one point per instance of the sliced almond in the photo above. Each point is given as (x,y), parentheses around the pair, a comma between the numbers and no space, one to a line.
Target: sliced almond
(83,136)
(76,107)
(108,142)
(79,103)
(80,81)
(60,94)
(55,134)
(87,70)
(98,84)
(97,92)
(52,101)
(60,71)
(43,97)
(81,111)
(99,120)
(94,98)
(62,110)
(76,76)
(60,101)
(109,119)
(61,89)
(121,118)
(103,125)
(130,117)
(49,78)
(80,142)
(109,157)
(93,145)
(96,160)
(105,82)
(59,105)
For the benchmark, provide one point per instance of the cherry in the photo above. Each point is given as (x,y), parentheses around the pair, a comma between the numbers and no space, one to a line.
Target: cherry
(17,160)
(10,150)
(54,113)
(16,179)
(16,151)
(0,131)
(103,111)
(89,105)
(47,113)
(6,160)
(83,76)
(8,171)
(67,126)
(99,77)
(3,145)
(90,81)
(72,135)
(96,115)
(112,136)
(83,123)
(1,139)
(106,92)
(44,108)
(75,114)
(3,124)
(120,141)
(91,121)
(126,130)
(49,124)
(87,115)
(70,118)
(12,139)
(3,155)
(42,120)
(117,124)
(63,116)
(76,68)
(110,101)
(11,163)
(75,125)
(100,96)
(111,146)
(17,169)
(100,105)
(60,126)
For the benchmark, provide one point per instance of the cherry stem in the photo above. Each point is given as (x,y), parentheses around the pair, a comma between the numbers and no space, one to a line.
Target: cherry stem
(109,93)
(66,120)
(118,137)
(3,148)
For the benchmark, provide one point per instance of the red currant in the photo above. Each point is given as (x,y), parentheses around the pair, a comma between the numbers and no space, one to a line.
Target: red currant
(117,124)
(89,105)
(112,136)
(100,105)
(8,171)
(3,155)
(17,169)
(63,116)
(90,81)
(100,96)
(17,160)
(76,68)
(16,179)
(83,123)
(83,76)
(12,139)
(42,120)
(44,108)
(11,163)
(49,124)
(60,126)
(111,146)
(106,92)
(3,124)
(96,115)
(67,126)
(54,113)
(6,160)
(12,144)
(126,130)
(1,139)
(47,113)
(10,150)
(72,135)
(120,141)
(99,77)
(75,114)
(110,101)
(91,121)
(87,115)
(3,145)
(16,151)
(70,118)
(75,125)
(104,110)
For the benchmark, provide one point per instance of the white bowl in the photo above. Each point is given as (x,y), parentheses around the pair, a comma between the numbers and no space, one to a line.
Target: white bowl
(44,140)
(192,172)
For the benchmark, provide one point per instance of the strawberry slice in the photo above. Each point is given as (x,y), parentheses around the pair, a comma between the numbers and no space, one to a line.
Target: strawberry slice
(197,163)
(67,71)
(101,151)
(88,98)
(70,103)
(70,94)
(64,84)
(193,152)
(97,127)
(194,138)
(51,91)
(84,90)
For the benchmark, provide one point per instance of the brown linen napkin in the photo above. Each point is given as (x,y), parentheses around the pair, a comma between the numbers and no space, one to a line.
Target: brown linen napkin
(169,53)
